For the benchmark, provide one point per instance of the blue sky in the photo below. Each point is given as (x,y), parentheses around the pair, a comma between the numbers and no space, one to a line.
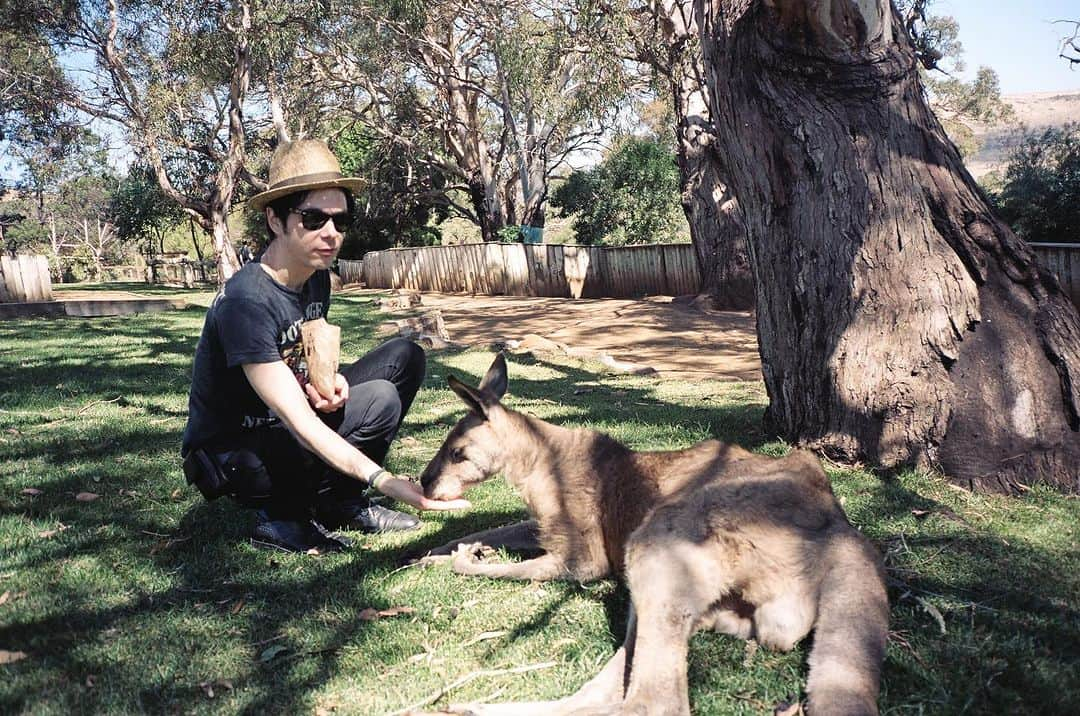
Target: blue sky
(1017,39)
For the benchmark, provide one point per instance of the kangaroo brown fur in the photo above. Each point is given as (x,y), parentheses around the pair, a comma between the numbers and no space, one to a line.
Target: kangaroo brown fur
(712,536)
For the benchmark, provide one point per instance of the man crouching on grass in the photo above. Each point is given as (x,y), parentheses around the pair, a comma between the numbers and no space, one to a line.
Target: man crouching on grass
(257,430)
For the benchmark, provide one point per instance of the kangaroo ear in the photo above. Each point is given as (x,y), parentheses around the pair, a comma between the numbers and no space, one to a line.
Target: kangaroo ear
(495,380)
(470,395)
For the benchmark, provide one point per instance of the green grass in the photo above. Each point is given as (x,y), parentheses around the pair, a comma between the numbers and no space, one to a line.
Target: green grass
(148,598)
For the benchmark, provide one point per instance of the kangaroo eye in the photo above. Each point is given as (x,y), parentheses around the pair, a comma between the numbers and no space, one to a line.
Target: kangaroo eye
(457,455)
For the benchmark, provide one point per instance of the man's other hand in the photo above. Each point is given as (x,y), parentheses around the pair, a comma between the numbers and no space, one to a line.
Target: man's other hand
(335,402)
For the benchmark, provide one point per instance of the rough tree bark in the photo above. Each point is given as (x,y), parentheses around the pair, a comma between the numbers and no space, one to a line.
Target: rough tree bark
(716,228)
(899,321)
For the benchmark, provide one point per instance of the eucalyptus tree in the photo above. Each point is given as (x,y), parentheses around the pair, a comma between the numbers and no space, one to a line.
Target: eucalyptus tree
(31,77)
(494,95)
(174,77)
(899,321)
(959,104)
(1069,50)
(666,40)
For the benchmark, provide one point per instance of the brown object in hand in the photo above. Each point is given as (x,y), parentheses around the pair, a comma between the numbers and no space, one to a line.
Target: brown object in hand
(322,344)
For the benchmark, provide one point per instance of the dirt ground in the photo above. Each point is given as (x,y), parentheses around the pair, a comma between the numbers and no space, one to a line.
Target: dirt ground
(673,338)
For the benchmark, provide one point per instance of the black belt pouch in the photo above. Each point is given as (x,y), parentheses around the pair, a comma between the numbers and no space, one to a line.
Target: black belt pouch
(204,472)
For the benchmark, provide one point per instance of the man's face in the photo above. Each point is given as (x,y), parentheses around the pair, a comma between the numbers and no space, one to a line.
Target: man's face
(313,248)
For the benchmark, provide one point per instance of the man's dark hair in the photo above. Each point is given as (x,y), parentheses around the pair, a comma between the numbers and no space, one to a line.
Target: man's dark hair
(283,206)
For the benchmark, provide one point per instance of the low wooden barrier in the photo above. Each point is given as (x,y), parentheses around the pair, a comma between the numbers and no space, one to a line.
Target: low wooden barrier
(351,271)
(582,271)
(24,278)
(1063,260)
(552,270)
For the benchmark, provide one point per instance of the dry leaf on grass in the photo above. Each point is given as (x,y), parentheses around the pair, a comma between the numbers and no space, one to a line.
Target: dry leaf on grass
(237,607)
(933,612)
(270,652)
(8,657)
(208,686)
(49,533)
(370,614)
(32,491)
(919,514)
(409,441)
(484,636)
(86,496)
(785,709)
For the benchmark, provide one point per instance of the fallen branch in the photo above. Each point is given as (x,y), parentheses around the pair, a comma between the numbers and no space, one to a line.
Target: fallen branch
(471,676)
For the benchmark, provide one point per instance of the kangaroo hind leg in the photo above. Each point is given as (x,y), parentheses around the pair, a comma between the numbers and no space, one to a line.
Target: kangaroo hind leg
(675,583)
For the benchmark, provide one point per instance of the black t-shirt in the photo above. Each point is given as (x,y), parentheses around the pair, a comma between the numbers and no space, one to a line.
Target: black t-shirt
(254,319)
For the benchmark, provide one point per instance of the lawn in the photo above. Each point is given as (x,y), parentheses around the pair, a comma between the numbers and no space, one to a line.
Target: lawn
(145,598)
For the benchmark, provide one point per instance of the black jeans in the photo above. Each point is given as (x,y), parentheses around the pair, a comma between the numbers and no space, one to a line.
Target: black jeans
(269,469)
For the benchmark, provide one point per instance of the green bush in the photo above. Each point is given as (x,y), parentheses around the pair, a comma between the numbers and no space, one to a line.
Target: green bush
(631,197)
(1040,192)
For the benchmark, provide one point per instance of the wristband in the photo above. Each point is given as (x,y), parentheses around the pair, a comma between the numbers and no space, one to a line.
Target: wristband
(373,479)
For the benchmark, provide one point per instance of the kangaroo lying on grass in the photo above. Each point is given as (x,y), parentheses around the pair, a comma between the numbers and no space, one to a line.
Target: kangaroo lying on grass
(712,536)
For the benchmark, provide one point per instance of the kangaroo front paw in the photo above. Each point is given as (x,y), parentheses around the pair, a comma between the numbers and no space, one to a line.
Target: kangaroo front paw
(429,560)
(468,555)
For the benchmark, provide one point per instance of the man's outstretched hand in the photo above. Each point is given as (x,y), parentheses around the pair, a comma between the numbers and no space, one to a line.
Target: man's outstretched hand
(411,494)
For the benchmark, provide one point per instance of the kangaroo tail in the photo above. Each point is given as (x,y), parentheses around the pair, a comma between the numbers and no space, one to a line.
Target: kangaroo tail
(850,633)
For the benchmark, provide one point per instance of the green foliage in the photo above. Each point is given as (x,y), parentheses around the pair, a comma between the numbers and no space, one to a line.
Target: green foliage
(1040,191)
(141,211)
(22,232)
(958,104)
(31,81)
(631,197)
(509,234)
(400,200)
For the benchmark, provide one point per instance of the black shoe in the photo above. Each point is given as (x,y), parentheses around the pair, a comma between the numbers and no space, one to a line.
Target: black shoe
(295,535)
(376,518)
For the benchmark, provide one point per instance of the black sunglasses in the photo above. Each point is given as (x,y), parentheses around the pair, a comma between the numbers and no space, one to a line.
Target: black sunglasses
(312,219)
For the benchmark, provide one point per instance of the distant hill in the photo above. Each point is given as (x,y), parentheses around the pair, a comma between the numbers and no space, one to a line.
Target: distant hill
(1035,111)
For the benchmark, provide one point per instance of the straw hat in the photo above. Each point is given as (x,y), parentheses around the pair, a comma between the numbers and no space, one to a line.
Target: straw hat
(302,165)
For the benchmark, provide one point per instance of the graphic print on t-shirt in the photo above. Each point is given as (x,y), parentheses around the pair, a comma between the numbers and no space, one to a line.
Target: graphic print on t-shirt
(291,342)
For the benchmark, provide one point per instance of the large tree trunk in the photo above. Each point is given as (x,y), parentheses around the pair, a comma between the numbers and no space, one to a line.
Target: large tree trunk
(224,253)
(716,229)
(899,321)
(486,208)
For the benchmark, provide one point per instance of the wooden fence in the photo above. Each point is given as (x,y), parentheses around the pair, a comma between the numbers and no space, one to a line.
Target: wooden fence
(1063,260)
(534,270)
(581,271)
(24,278)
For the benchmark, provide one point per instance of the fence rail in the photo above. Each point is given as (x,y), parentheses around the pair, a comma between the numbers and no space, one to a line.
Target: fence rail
(551,270)
(582,271)
(24,278)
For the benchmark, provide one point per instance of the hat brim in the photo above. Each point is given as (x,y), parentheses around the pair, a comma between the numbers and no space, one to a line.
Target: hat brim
(260,200)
